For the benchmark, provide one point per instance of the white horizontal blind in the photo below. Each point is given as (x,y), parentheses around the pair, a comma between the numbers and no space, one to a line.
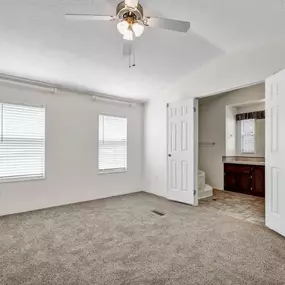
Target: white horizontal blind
(112,143)
(248,136)
(22,142)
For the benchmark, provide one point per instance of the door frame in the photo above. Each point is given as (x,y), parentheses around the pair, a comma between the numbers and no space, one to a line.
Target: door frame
(197,125)
(196,133)
(195,145)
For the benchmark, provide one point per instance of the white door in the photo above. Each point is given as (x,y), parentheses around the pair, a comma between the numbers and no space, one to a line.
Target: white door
(275,153)
(182,167)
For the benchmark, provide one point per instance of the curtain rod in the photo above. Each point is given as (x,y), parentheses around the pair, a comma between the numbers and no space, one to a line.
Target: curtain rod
(55,87)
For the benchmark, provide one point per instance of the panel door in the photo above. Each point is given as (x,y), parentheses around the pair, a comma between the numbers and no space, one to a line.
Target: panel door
(182,165)
(275,153)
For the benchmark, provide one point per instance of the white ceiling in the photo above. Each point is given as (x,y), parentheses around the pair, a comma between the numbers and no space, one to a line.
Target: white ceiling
(37,41)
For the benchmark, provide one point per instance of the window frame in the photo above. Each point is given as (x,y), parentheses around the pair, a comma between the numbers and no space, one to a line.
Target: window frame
(35,178)
(243,135)
(113,170)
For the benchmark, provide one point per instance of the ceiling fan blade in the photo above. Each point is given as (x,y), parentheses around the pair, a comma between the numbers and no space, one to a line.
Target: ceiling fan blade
(132,3)
(89,17)
(168,24)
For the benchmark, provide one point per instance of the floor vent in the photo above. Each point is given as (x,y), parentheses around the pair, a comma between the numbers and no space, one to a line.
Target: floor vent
(158,213)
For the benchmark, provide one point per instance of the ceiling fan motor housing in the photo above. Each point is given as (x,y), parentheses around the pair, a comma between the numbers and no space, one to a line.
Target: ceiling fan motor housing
(124,12)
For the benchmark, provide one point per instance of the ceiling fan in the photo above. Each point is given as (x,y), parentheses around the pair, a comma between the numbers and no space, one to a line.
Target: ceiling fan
(131,23)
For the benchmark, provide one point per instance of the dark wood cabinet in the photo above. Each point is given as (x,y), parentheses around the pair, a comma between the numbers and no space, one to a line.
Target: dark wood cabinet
(230,180)
(244,182)
(258,183)
(247,179)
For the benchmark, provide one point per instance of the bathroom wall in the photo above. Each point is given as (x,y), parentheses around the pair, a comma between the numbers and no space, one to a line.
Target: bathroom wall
(231,131)
(212,128)
(250,108)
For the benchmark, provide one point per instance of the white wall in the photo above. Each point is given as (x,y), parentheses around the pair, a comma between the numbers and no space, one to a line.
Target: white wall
(230,131)
(251,108)
(231,71)
(212,127)
(72,152)
(155,147)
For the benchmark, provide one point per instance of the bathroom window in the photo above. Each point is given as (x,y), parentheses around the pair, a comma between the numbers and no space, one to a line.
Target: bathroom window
(248,136)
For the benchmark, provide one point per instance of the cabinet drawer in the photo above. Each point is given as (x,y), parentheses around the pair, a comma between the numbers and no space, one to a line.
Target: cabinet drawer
(228,167)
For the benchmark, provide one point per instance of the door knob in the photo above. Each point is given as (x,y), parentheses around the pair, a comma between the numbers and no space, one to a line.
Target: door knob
(169,155)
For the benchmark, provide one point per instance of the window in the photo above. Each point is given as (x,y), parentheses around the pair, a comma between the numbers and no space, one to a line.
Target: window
(248,136)
(22,142)
(112,143)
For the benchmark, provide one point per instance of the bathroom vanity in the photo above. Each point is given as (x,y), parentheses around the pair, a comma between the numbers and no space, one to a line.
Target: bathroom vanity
(247,177)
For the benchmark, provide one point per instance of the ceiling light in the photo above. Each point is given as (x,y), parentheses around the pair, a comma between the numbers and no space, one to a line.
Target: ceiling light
(128,35)
(123,27)
(138,28)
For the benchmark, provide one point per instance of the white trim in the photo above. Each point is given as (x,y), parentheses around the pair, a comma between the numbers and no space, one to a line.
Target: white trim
(23,179)
(112,171)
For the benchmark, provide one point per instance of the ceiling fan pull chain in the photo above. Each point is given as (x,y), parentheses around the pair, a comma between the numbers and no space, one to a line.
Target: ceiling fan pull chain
(134,55)
(130,55)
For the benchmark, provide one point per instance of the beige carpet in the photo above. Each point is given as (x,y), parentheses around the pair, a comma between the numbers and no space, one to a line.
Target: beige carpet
(120,241)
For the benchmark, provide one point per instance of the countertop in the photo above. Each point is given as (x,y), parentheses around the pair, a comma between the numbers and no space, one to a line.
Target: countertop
(261,163)
(246,160)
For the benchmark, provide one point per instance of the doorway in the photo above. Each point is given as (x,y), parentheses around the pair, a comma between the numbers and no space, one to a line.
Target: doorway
(232,152)
(274,153)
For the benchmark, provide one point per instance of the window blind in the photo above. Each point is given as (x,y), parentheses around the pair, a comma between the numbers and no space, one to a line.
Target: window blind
(248,136)
(112,143)
(22,142)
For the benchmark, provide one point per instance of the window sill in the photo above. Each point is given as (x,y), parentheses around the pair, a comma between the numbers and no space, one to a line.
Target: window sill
(15,180)
(112,171)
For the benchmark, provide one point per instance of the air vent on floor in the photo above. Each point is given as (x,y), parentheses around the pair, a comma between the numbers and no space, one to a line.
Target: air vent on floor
(159,213)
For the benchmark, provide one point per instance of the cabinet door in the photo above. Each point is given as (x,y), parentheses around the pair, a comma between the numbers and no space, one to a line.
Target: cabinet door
(258,176)
(244,183)
(230,181)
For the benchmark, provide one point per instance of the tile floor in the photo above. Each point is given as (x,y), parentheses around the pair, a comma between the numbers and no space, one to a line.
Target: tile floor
(240,206)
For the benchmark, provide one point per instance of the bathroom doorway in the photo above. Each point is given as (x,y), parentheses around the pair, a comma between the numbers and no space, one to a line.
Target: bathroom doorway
(231,153)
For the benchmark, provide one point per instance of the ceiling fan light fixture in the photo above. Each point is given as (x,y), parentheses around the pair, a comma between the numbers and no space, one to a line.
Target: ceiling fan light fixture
(138,28)
(129,35)
(123,27)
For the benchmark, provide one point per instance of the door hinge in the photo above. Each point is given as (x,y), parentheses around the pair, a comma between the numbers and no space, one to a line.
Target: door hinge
(194,192)
(167,105)
(194,109)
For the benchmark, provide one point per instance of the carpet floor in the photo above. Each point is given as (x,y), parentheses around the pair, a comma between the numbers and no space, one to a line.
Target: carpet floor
(121,241)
